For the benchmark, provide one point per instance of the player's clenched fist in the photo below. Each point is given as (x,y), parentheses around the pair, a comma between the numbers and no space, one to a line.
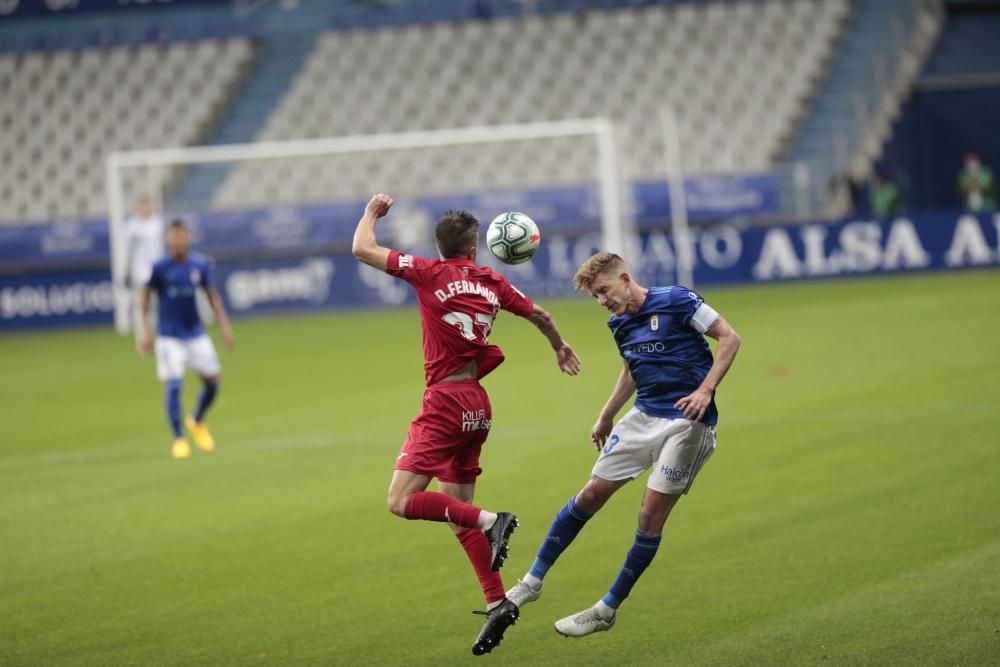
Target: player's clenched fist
(379,205)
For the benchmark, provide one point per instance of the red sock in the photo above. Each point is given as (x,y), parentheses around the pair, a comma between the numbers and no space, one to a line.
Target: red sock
(431,506)
(478,550)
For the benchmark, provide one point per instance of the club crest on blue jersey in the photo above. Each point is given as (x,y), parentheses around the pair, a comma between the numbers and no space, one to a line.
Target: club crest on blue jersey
(654,322)
(195,276)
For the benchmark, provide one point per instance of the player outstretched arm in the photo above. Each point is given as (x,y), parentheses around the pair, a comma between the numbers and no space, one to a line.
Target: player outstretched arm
(694,404)
(365,247)
(623,390)
(215,300)
(568,362)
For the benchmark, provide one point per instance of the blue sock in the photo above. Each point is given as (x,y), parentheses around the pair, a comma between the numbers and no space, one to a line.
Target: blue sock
(638,559)
(568,522)
(174,406)
(208,392)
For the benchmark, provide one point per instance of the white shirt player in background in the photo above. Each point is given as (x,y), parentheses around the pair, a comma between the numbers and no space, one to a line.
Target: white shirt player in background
(668,365)
(144,246)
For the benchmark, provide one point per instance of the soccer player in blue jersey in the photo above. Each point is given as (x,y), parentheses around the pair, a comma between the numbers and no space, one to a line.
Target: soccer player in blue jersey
(181,341)
(660,333)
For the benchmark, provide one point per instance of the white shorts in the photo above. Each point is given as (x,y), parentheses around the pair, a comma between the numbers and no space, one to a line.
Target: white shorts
(175,355)
(676,449)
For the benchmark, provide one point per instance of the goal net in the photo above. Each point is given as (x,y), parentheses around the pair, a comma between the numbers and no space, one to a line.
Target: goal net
(278,217)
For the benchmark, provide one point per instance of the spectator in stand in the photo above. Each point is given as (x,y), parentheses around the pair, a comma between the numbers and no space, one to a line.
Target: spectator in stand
(884,194)
(975,182)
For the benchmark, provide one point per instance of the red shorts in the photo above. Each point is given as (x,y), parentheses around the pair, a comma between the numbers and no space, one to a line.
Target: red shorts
(445,438)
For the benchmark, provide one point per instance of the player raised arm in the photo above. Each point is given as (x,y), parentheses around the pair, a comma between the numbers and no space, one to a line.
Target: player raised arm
(215,300)
(695,403)
(365,248)
(623,390)
(566,358)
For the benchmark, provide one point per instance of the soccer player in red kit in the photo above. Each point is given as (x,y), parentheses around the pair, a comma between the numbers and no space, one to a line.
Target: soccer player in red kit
(458,304)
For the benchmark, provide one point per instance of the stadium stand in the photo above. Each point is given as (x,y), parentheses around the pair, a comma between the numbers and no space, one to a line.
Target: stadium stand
(743,78)
(61,112)
(736,97)
(278,58)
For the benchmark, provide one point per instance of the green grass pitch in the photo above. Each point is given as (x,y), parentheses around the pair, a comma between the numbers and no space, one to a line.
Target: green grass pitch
(850,516)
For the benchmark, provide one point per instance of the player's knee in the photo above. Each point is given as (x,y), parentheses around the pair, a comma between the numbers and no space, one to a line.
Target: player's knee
(397,504)
(585,499)
(653,515)
(651,520)
(590,499)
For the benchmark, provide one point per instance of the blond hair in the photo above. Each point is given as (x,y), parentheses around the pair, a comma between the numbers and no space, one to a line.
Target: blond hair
(602,262)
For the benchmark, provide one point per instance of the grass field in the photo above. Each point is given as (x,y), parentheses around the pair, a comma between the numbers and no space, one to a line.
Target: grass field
(850,516)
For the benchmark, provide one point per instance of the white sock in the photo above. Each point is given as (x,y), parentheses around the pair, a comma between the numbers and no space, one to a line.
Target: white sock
(532,581)
(490,606)
(486,520)
(604,610)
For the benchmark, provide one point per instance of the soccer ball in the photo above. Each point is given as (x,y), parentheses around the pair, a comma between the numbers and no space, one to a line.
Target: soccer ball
(512,237)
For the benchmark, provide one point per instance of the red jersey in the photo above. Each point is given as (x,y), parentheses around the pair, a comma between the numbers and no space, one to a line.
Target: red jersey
(458,303)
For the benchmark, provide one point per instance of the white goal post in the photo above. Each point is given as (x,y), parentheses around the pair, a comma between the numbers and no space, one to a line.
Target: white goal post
(617,235)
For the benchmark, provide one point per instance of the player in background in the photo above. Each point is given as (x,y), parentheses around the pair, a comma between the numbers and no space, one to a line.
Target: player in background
(660,333)
(144,232)
(181,341)
(458,304)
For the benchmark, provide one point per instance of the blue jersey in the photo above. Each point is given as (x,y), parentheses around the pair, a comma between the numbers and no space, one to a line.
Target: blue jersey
(175,283)
(667,356)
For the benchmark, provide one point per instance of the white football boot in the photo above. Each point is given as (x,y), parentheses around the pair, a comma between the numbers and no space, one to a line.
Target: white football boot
(521,593)
(586,622)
